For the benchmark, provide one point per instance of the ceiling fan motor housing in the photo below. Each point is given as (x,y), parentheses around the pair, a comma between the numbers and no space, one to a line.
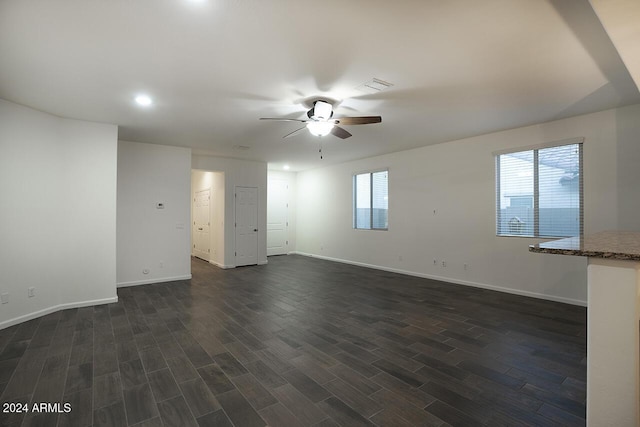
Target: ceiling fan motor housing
(321,110)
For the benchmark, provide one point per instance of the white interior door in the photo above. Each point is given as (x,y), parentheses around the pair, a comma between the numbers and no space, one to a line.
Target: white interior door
(246,226)
(201,224)
(277,217)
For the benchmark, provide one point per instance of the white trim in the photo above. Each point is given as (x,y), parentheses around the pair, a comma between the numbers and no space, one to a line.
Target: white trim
(49,310)
(151,281)
(226,267)
(217,264)
(551,144)
(452,280)
(383,169)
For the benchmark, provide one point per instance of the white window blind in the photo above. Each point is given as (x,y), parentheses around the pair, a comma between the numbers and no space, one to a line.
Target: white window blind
(371,200)
(539,192)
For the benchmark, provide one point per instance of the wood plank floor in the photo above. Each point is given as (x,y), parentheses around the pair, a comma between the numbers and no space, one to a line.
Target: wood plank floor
(300,342)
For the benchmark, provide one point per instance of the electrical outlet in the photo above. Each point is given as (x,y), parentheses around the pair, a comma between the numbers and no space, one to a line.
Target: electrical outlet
(31,292)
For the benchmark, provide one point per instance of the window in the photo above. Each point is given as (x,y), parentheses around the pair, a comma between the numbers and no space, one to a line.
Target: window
(371,200)
(539,191)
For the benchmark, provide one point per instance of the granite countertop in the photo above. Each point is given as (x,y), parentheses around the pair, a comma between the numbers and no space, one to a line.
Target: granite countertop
(623,245)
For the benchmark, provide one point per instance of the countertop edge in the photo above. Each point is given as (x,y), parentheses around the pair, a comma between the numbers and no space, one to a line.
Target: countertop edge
(591,254)
(615,245)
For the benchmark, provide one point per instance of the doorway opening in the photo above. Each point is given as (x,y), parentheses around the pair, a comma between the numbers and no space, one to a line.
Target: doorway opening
(207,216)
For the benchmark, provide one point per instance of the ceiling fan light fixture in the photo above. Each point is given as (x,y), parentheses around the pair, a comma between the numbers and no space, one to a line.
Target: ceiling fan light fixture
(319,128)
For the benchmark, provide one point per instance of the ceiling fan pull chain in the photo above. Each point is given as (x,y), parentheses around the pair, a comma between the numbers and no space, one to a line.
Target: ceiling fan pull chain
(320,151)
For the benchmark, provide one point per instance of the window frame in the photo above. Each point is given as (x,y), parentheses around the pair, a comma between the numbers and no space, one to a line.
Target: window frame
(354,217)
(536,190)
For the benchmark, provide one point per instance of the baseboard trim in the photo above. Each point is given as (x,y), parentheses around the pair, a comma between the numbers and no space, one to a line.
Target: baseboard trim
(151,281)
(223,266)
(451,280)
(226,267)
(59,307)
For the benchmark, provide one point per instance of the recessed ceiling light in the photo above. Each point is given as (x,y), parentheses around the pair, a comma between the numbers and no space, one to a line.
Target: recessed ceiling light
(286,167)
(144,100)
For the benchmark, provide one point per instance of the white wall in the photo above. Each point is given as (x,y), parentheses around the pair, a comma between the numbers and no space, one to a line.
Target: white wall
(627,133)
(202,180)
(442,207)
(290,179)
(157,240)
(238,173)
(58,214)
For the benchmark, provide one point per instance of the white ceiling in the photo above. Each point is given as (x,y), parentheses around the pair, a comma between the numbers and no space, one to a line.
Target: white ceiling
(213,67)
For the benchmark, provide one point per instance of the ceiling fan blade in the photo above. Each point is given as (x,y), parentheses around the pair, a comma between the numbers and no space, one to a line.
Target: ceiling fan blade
(358,120)
(340,132)
(295,132)
(280,119)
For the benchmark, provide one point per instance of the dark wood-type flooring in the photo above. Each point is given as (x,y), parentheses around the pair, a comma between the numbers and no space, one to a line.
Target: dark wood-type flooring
(300,342)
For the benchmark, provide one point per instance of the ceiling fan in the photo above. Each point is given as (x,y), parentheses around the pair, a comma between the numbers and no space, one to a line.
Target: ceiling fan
(321,121)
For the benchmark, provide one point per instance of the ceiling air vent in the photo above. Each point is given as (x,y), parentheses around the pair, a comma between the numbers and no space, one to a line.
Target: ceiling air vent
(241,147)
(374,86)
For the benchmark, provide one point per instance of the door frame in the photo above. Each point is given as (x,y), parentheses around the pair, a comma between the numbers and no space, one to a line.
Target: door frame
(193,225)
(285,200)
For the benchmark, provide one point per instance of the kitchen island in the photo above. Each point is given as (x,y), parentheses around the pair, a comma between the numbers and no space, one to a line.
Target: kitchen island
(613,313)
